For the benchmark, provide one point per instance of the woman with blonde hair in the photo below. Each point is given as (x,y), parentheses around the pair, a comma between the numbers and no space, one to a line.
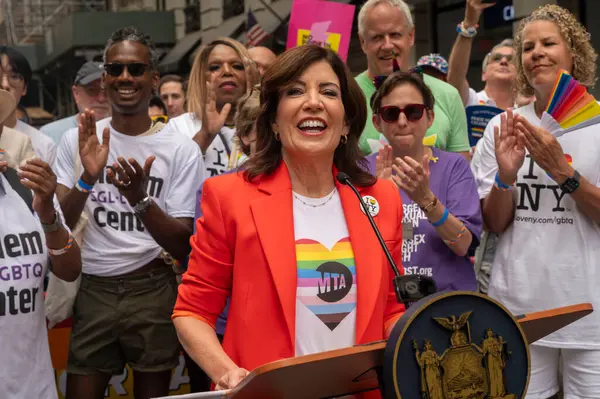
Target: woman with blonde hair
(541,193)
(221,74)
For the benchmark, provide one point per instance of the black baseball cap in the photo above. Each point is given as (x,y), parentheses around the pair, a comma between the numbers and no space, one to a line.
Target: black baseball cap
(89,72)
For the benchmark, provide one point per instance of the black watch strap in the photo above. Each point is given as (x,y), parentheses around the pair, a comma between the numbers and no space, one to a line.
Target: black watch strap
(571,184)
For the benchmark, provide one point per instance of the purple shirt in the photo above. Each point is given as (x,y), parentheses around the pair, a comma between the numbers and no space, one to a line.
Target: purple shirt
(423,251)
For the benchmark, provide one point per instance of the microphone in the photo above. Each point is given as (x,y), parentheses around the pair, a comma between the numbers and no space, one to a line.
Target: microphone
(408,288)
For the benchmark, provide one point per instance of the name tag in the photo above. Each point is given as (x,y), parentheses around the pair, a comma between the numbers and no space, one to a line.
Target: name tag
(407,231)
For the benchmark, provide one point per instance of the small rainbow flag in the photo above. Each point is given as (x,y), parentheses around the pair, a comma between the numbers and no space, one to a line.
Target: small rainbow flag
(570,104)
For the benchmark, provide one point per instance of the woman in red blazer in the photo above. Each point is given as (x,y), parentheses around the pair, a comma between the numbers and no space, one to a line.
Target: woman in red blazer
(285,240)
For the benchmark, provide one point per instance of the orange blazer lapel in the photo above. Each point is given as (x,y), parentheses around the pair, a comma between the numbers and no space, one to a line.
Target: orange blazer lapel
(367,255)
(274,220)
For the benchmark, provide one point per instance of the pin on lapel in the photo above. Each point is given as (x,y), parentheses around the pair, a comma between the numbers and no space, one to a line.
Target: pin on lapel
(372,205)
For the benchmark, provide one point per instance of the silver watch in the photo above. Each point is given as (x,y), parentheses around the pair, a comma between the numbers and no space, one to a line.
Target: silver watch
(54,226)
(143,205)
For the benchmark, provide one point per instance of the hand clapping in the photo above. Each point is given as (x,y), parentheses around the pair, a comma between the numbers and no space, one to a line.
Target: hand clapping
(412,177)
(37,175)
(129,177)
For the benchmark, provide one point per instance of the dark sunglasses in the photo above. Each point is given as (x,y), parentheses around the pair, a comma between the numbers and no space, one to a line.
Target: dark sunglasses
(391,113)
(378,81)
(135,69)
(497,57)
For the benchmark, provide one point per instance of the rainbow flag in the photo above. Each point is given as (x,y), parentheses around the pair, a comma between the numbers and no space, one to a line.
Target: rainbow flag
(326,279)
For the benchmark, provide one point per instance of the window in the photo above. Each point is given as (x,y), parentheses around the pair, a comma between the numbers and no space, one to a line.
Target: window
(232,8)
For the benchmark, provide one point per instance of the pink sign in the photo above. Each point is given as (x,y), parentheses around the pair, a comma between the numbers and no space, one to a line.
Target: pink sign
(321,22)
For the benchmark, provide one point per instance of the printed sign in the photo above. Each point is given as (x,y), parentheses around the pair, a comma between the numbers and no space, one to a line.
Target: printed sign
(323,23)
(478,116)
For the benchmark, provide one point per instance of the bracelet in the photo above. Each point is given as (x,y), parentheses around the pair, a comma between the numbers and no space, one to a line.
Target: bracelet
(461,233)
(56,252)
(500,185)
(430,206)
(442,220)
(83,186)
(469,32)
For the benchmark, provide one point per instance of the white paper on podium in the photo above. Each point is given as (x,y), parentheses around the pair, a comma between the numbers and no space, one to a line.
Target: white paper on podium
(550,124)
(201,395)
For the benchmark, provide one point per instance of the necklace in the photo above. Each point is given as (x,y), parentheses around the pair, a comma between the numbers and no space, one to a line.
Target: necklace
(325,201)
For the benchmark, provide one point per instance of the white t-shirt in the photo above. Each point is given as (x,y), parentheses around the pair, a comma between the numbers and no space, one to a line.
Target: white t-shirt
(43,145)
(115,240)
(217,154)
(479,98)
(326,292)
(24,353)
(550,255)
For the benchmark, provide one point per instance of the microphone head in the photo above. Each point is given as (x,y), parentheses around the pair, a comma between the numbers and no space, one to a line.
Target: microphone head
(342,178)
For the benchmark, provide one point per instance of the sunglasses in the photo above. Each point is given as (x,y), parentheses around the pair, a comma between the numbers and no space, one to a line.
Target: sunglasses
(160,118)
(378,81)
(391,113)
(497,57)
(135,69)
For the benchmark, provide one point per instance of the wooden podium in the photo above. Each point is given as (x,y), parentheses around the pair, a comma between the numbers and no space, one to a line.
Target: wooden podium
(354,370)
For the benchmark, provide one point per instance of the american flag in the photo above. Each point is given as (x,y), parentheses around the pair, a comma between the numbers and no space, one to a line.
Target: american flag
(254,32)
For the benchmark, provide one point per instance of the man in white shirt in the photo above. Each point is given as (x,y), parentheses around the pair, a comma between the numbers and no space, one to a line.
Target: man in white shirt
(15,79)
(88,93)
(135,181)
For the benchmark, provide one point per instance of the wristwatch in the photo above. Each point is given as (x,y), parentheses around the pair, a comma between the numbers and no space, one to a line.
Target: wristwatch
(54,226)
(143,205)
(571,184)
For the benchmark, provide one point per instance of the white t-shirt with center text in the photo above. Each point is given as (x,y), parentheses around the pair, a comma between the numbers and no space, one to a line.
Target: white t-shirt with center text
(217,154)
(549,256)
(24,355)
(326,292)
(116,241)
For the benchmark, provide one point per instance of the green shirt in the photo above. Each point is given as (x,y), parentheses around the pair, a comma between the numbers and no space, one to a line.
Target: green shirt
(449,129)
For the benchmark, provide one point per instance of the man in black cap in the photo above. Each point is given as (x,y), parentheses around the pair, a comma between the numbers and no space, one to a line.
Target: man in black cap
(88,93)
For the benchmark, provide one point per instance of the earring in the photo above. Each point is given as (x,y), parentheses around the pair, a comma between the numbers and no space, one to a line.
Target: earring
(344,140)
(277,136)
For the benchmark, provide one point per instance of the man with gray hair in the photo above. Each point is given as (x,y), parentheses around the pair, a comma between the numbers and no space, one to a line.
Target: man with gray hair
(498,71)
(135,181)
(88,93)
(386,31)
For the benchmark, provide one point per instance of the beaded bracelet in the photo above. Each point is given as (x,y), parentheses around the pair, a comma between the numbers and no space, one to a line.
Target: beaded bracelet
(500,185)
(83,186)
(461,233)
(442,220)
(57,252)
(469,32)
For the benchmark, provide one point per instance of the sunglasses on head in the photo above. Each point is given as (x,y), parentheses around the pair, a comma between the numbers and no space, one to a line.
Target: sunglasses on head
(378,81)
(497,57)
(135,69)
(391,113)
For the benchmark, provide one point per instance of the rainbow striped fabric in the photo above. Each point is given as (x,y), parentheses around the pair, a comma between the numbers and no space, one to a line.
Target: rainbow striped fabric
(326,279)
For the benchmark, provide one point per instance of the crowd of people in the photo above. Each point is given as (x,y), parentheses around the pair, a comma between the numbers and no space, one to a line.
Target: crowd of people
(206,213)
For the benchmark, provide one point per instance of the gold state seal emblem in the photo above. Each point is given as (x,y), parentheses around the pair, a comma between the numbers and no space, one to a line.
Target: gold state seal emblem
(464,370)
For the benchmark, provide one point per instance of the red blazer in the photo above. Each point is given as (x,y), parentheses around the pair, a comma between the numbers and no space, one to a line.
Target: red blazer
(244,246)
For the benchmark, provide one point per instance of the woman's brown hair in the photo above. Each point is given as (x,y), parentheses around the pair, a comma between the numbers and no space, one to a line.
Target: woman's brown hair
(248,110)
(398,79)
(196,91)
(287,69)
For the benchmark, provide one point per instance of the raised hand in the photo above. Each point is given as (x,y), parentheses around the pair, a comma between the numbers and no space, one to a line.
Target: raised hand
(93,154)
(37,175)
(509,147)
(130,178)
(383,163)
(212,118)
(412,177)
(545,150)
(473,11)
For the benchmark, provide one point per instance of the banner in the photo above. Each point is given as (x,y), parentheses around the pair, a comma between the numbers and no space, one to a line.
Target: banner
(323,23)
(478,116)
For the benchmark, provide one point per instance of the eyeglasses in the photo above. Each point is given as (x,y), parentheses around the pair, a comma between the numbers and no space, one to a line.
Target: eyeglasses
(391,113)
(378,81)
(92,90)
(160,118)
(497,57)
(13,78)
(135,69)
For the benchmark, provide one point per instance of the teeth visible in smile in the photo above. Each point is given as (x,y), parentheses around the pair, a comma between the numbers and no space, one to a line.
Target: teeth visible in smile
(311,123)
(126,91)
